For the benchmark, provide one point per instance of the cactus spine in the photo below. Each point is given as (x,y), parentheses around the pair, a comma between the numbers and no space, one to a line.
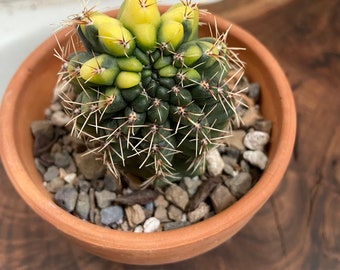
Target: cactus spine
(152,95)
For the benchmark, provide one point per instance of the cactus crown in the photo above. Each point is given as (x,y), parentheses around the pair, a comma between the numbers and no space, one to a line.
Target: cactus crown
(151,95)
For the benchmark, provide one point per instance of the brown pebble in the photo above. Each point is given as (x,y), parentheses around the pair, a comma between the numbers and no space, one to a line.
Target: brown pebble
(203,192)
(143,196)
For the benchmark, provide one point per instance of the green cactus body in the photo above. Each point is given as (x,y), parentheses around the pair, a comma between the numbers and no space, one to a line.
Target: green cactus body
(155,100)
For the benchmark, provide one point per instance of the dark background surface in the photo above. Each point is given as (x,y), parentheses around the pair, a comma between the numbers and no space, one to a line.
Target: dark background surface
(299,227)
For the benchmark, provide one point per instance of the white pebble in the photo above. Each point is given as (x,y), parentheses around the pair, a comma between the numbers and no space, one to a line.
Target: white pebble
(151,225)
(60,119)
(70,178)
(256,140)
(256,158)
(138,229)
(215,163)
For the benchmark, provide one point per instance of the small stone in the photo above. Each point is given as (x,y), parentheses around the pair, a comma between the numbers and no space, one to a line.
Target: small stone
(228,169)
(39,166)
(59,118)
(175,225)
(240,184)
(251,116)
(221,198)
(104,198)
(46,159)
(111,183)
(44,136)
(161,201)
(161,214)
(62,160)
(138,229)
(54,185)
(135,215)
(149,209)
(151,225)
(203,192)
(56,106)
(143,196)
(112,214)
(90,166)
(256,158)
(236,139)
(76,143)
(51,173)
(191,184)
(97,184)
(245,167)
(254,91)
(72,167)
(95,216)
(84,185)
(256,140)
(199,213)
(214,162)
(66,198)
(125,226)
(229,160)
(83,205)
(56,148)
(70,178)
(175,213)
(264,125)
(177,196)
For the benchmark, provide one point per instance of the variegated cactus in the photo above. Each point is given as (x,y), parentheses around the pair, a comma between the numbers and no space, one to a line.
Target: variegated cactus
(151,94)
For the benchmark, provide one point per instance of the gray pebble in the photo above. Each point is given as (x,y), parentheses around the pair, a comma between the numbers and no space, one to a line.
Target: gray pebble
(228,169)
(112,214)
(191,184)
(54,185)
(44,136)
(111,183)
(175,225)
(239,184)
(66,197)
(84,185)
(83,205)
(62,160)
(104,198)
(254,91)
(256,158)
(149,209)
(39,166)
(51,173)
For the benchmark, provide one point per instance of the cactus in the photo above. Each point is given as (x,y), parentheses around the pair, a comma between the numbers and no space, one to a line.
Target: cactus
(151,95)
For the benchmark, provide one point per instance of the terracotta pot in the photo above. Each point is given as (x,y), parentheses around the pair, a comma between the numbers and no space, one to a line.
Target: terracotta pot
(29,93)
